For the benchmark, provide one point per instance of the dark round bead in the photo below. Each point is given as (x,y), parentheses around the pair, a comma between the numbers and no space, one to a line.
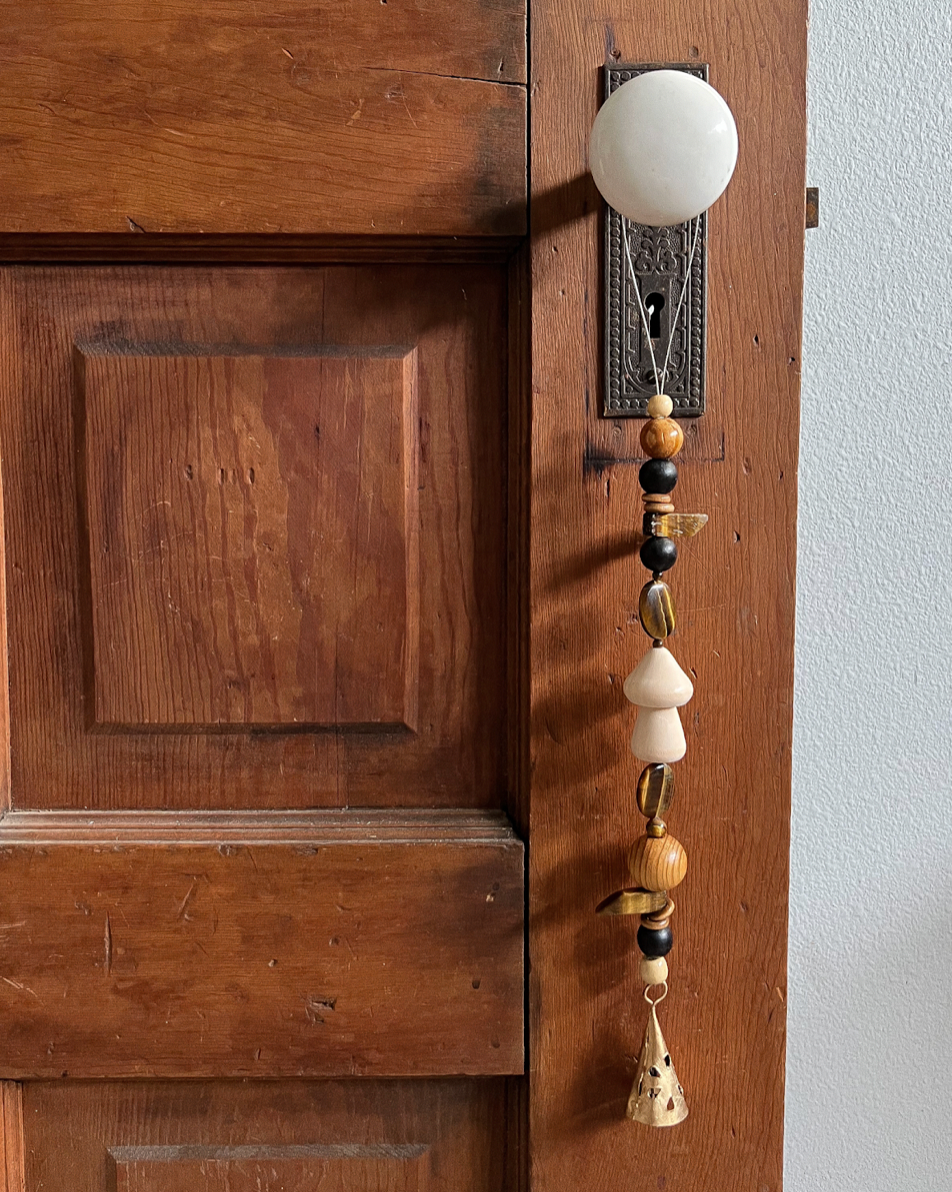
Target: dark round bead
(658,554)
(655,943)
(658,476)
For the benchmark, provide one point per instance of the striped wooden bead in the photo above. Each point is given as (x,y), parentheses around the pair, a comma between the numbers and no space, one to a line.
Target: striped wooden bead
(657,864)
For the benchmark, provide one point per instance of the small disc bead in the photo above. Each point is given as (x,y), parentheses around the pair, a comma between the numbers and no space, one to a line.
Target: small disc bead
(655,943)
(658,476)
(659,554)
(654,970)
(661,438)
(659,405)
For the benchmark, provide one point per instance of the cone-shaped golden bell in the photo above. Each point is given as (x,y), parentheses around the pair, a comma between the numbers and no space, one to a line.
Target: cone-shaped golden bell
(656,1098)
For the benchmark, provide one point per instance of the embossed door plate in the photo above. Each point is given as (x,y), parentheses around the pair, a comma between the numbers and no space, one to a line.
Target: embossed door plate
(660,260)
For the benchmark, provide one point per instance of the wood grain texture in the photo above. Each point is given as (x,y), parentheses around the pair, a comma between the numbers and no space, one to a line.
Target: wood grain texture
(350,1136)
(11,1137)
(252,536)
(734,585)
(452,320)
(322,944)
(127,116)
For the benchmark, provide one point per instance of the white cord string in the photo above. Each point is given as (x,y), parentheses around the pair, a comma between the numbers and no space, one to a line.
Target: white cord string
(662,376)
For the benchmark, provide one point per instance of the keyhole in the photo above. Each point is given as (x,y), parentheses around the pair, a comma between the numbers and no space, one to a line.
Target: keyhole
(654,305)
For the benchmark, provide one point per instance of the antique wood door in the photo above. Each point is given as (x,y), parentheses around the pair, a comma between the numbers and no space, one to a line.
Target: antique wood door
(317,588)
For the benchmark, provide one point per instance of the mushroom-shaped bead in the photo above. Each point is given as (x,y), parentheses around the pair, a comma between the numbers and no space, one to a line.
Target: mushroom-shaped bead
(658,864)
(658,682)
(658,735)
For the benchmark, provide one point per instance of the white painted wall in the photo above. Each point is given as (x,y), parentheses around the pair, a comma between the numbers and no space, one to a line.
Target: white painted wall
(869,1080)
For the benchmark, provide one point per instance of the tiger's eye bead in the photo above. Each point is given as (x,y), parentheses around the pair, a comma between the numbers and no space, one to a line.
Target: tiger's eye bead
(656,609)
(655,943)
(659,554)
(661,438)
(657,864)
(659,405)
(658,476)
(654,970)
(657,828)
(655,790)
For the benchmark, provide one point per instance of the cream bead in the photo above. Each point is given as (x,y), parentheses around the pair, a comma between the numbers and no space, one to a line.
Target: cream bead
(654,970)
(658,735)
(659,405)
(658,682)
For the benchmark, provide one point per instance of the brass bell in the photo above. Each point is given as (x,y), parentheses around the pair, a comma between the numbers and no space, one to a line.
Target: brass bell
(657,1098)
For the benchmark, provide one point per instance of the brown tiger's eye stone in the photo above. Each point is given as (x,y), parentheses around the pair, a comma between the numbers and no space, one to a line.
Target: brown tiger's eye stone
(661,438)
(655,790)
(657,864)
(656,609)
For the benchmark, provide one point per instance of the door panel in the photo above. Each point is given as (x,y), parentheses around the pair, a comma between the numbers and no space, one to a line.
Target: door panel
(373,119)
(262,561)
(267,944)
(356,1136)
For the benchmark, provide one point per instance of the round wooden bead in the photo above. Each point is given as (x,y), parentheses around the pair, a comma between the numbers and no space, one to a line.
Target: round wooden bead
(655,790)
(659,405)
(658,735)
(658,476)
(659,554)
(655,943)
(661,438)
(654,970)
(656,609)
(657,864)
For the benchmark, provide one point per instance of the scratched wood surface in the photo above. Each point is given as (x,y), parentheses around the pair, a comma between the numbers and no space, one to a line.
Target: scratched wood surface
(152,116)
(734,586)
(322,944)
(148,577)
(350,1136)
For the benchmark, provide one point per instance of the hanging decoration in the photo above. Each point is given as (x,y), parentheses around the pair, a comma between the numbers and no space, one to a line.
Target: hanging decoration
(663,148)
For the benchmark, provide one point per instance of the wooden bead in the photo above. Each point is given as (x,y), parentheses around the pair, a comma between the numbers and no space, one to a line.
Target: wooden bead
(655,505)
(658,682)
(655,790)
(654,970)
(661,438)
(655,920)
(658,476)
(656,611)
(659,554)
(658,736)
(655,943)
(659,405)
(657,864)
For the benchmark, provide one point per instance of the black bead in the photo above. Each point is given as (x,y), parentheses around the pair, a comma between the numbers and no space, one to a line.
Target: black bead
(655,943)
(658,476)
(658,554)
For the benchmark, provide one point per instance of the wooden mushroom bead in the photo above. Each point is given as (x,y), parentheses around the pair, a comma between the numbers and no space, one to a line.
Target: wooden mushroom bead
(657,864)
(655,790)
(661,438)
(657,681)
(654,970)
(658,735)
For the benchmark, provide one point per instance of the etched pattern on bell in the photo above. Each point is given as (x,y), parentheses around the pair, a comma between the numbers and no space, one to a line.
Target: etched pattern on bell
(657,1098)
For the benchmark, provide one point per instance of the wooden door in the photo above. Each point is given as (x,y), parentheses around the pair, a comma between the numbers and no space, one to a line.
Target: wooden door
(316,587)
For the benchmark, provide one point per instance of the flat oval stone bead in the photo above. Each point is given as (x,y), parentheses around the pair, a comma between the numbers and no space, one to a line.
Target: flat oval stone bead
(656,609)
(658,735)
(655,790)
(661,438)
(658,682)
(657,863)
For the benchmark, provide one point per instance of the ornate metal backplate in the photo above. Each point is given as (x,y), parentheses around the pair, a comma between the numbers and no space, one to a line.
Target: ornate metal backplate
(660,259)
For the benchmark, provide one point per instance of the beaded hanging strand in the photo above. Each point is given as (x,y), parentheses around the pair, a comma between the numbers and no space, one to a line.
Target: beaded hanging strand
(658,687)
